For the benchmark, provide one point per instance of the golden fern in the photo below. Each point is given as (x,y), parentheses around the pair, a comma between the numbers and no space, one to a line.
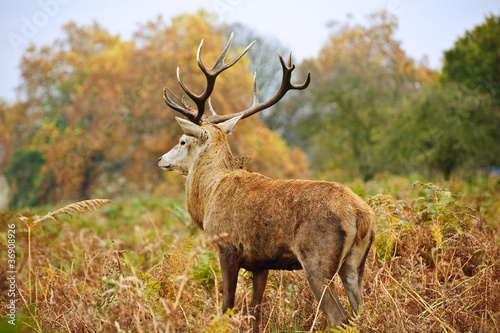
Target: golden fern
(437,234)
(88,206)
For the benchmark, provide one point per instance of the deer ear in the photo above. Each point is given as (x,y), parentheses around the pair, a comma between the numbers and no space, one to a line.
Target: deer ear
(191,129)
(228,125)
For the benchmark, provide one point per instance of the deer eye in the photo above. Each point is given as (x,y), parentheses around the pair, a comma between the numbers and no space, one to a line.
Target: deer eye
(183,143)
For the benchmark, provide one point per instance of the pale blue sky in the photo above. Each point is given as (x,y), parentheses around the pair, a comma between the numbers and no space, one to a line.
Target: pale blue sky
(426,28)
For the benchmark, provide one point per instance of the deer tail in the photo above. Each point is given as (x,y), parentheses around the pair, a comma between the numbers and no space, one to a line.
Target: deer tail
(365,223)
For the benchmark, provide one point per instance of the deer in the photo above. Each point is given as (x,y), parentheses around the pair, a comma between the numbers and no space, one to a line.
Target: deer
(266,224)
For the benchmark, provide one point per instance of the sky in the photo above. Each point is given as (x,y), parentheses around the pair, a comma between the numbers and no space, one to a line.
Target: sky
(426,27)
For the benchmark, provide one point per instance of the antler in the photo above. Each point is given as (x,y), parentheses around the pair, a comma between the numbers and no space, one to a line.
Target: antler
(211,74)
(197,115)
(286,85)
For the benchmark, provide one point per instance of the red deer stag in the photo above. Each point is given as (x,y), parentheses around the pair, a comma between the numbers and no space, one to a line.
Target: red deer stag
(321,227)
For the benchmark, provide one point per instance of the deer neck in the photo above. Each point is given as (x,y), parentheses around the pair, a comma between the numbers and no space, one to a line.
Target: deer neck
(204,176)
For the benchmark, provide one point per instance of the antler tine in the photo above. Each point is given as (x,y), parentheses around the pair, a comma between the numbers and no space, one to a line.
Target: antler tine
(220,61)
(191,94)
(211,108)
(185,111)
(286,85)
(255,97)
(219,65)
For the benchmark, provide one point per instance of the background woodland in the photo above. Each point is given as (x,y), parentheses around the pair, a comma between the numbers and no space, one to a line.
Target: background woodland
(90,119)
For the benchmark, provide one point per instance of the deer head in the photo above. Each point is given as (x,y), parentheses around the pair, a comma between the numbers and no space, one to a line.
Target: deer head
(196,136)
(194,140)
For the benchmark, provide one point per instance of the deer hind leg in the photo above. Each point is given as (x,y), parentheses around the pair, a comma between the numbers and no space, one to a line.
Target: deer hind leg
(321,247)
(320,265)
(323,288)
(259,280)
(352,270)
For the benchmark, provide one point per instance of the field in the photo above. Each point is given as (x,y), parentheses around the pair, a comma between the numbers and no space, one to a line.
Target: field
(137,265)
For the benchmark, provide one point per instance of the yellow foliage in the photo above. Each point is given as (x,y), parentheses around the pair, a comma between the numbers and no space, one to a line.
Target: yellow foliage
(437,234)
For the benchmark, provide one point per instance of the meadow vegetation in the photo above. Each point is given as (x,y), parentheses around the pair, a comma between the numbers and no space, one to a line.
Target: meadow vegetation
(138,265)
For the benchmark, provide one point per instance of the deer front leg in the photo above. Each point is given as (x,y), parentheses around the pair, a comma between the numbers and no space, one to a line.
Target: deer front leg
(259,280)
(229,267)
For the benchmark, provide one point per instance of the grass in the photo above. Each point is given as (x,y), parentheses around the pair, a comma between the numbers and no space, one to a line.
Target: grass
(138,265)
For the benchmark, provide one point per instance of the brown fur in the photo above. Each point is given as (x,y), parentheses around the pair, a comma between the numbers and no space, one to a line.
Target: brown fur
(322,227)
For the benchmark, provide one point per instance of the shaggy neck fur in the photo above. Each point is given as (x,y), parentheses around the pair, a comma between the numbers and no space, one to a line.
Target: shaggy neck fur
(210,166)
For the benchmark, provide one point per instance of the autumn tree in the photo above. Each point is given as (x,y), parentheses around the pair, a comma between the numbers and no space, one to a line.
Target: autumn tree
(21,165)
(357,78)
(74,88)
(15,125)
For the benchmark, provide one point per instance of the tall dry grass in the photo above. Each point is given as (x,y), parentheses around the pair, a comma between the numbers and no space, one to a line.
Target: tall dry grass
(138,266)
